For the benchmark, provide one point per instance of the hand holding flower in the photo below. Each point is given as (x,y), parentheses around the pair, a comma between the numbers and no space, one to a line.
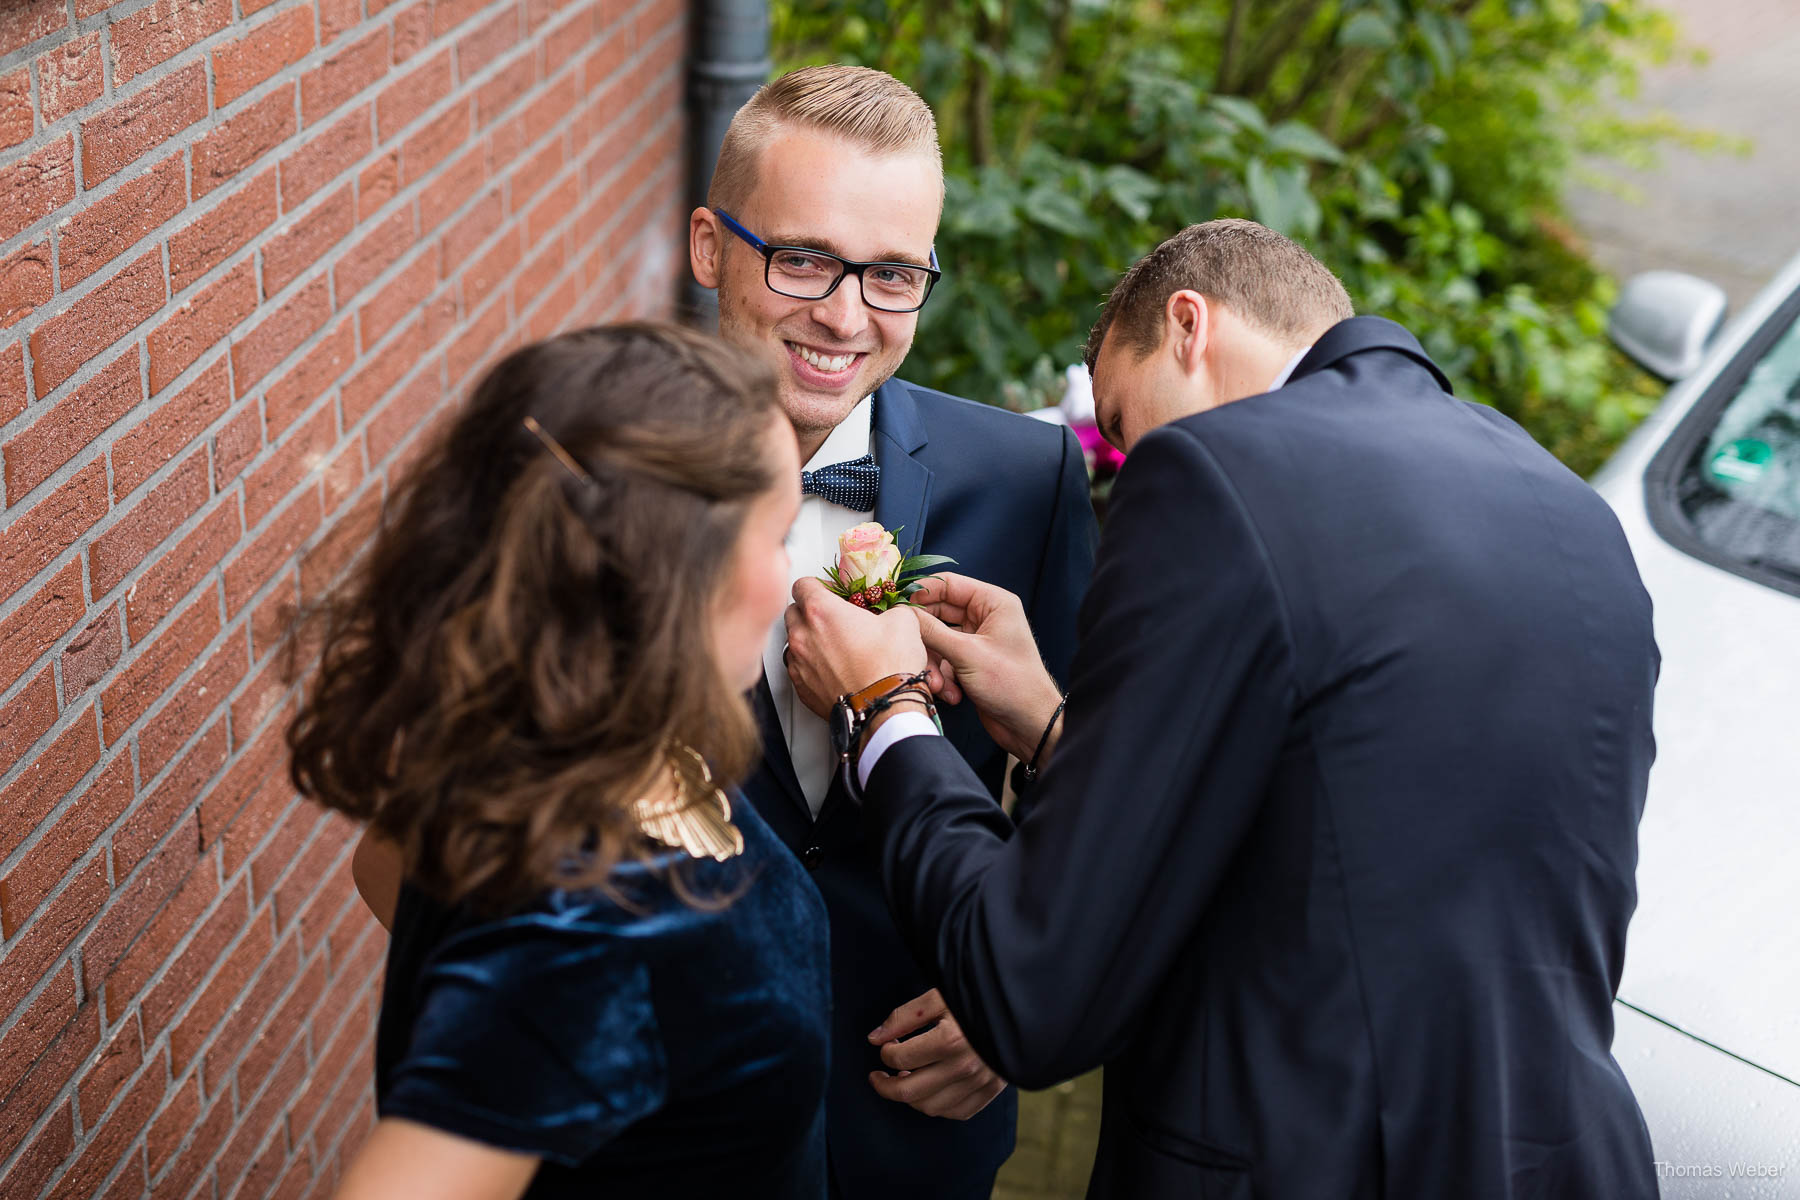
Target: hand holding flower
(870,571)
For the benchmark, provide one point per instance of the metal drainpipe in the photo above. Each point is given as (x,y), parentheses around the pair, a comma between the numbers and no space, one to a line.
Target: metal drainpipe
(727,62)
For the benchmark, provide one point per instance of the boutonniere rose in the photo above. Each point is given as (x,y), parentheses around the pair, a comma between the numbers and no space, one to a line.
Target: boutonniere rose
(870,571)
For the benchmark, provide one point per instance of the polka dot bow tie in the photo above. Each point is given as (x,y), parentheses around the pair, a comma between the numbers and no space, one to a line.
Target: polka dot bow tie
(853,484)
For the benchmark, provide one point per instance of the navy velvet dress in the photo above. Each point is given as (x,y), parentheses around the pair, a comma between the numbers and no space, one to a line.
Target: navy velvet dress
(658,1050)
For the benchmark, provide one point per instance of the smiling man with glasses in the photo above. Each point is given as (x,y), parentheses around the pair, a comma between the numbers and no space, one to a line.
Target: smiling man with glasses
(828,173)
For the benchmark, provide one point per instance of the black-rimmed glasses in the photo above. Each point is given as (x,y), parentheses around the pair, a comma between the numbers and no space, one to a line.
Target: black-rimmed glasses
(803,273)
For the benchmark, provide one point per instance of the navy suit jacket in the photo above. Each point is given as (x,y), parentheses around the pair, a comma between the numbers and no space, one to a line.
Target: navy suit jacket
(1007,497)
(1333,865)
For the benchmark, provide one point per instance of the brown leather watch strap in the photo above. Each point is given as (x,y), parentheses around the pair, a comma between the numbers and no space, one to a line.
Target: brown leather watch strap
(859,701)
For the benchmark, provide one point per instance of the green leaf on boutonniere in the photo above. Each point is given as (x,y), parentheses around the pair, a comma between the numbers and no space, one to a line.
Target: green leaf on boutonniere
(923,563)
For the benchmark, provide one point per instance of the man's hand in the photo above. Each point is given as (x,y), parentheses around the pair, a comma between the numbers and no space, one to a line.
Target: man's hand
(835,647)
(992,659)
(940,1074)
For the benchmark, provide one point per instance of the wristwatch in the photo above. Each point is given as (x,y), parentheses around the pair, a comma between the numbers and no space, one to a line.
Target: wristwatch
(854,710)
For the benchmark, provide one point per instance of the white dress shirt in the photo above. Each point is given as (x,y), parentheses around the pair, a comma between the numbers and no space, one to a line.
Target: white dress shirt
(812,547)
(909,723)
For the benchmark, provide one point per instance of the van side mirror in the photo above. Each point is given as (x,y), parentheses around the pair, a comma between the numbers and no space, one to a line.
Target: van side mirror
(1665,320)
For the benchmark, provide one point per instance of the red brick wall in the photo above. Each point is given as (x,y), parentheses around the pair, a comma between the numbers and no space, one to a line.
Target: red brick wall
(248,250)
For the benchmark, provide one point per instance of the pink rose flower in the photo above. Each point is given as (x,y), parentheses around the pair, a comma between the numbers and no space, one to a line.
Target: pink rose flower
(867,552)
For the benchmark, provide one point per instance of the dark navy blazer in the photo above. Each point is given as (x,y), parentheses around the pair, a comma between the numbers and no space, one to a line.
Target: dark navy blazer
(1007,497)
(1333,865)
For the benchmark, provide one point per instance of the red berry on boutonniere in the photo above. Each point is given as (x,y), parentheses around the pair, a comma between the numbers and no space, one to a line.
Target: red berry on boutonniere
(872,573)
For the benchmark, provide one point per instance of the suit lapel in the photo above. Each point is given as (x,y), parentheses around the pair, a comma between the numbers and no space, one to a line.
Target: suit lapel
(775,759)
(905,492)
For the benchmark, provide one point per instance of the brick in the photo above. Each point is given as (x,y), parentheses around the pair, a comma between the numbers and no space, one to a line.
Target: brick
(25,718)
(564,45)
(239,66)
(399,299)
(129,540)
(378,250)
(481,278)
(237,443)
(448,14)
(172,1125)
(180,982)
(30,957)
(299,457)
(189,708)
(261,350)
(57,768)
(154,668)
(70,77)
(16,118)
(12,382)
(25,636)
(211,1004)
(329,85)
(260,697)
(97,321)
(477,51)
(434,143)
(295,1183)
(550,109)
(163,809)
(23,22)
(224,152)
(298,246)
(106,228)
(116,1063)
(35,1033)
(169,428)
(77,831)
(34,540)
(183,1165)
(503,90)
(332,1075)
(71,425)
(365,389)
(276,977)
(159,32)
(48,1149)
(412,30)
(322,908)
(347,539)
(178,571)
(148,917)
(378,183)
(288,398)
(269,801)
(49,1064)
(344,476)
(93,653)
(533,176)
(325,854)
(411,97)
(454,187)
(338,17)
(201,324)
(240,1151)
(106,1146)
(404,418)
(25,282)
(269,624)
(326,158)
(475,346)
(262,560)
(555,313)
(33,187)
(118,136)
(465,236)
(215,236)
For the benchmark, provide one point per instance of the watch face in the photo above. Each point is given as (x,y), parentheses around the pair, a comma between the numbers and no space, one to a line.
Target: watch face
(843,728)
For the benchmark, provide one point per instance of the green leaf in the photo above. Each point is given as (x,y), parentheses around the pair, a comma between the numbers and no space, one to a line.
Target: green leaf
(1053,208)
(1369,31)
(1131,190)
(1281,198)
(924,562)
(1242,111)
(1305,141)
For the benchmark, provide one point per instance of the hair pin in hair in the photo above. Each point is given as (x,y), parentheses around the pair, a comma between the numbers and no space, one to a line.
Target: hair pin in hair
(556,448)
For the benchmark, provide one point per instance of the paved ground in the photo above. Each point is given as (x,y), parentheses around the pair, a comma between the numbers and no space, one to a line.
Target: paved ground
(1732,220)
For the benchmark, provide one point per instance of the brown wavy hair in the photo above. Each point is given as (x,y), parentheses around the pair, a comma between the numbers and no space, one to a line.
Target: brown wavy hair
(505,669)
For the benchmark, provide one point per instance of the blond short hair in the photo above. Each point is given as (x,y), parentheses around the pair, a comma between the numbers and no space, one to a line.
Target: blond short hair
(1268,280)
(868,108)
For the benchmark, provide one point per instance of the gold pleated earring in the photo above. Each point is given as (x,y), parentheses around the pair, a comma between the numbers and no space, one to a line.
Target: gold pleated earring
(697,817)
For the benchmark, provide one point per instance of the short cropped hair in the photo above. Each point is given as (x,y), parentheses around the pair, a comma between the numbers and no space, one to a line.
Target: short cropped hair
(867,108)
(1266,279)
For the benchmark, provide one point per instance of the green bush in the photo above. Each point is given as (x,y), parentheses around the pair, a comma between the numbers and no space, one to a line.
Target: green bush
(1419,147)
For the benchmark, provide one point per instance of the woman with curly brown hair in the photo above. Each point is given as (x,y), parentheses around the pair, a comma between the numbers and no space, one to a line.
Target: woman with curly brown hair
(606,978)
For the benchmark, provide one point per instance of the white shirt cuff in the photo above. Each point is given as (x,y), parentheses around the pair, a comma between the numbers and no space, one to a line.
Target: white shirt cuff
(898,727)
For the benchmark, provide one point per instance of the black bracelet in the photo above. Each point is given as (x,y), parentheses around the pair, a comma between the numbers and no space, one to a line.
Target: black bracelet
(1031,768)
